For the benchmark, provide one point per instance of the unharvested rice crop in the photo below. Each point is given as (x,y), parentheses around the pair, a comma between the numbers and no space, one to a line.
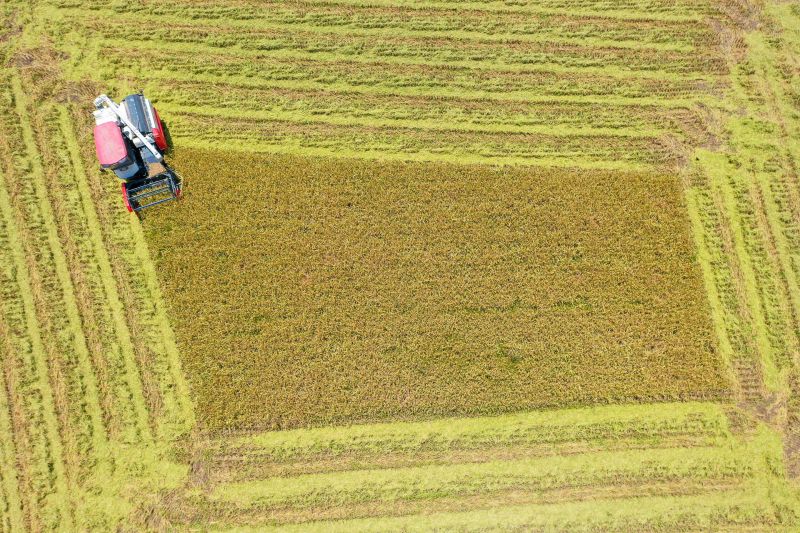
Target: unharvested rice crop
(344,290)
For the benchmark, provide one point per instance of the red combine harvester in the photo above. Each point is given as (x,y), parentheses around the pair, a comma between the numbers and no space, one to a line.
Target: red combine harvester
(130,140)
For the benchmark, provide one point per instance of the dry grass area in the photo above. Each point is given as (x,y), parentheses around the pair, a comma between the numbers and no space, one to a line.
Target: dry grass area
(310,291)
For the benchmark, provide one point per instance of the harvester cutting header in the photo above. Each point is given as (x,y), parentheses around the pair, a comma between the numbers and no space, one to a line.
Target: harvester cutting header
(130,140)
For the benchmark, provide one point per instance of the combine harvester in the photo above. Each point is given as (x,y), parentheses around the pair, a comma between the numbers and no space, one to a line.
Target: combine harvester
(130,140)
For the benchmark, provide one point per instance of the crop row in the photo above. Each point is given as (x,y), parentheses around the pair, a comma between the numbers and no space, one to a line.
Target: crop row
(432,49)
(267,71)
(263,111)
(395,475)
(722,510)
(420,112)
(465,23)
(633,467)
(652,11)
(454,111)
(38,379)
(322,138)
(750,204)
(444,441)
(85,373)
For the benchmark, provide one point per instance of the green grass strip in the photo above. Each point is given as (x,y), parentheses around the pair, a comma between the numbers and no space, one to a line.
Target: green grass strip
(38,360)
(719,171)
(132,377)
(558,130)
(263,22)
(653,421)
(667,513)
(539,473)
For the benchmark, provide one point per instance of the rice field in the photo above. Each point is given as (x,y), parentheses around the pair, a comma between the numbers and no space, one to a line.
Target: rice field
(458,266)
(407,290)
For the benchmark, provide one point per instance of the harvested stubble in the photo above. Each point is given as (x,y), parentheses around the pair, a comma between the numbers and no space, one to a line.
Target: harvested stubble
(421,81)
(351,290)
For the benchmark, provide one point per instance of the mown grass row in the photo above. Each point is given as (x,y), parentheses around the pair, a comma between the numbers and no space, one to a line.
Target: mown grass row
(504,51)
(89,363)
(631,467)
(247,133)
(533,434)
(651,11)
(410,80)
(515,115)
(670,466)
(126,267)
(26,358)
(582,61)
(473,24)
(340,51)
(748,198)
(729,510)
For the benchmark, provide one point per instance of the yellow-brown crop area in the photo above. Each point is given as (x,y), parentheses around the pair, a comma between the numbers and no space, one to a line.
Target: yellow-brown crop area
(309,291)
(400,209)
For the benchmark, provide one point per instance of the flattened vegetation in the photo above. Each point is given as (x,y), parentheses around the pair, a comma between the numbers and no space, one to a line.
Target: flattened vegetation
(307,291)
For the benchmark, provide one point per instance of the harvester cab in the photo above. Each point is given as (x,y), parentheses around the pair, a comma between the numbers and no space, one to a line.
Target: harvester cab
(130,140)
